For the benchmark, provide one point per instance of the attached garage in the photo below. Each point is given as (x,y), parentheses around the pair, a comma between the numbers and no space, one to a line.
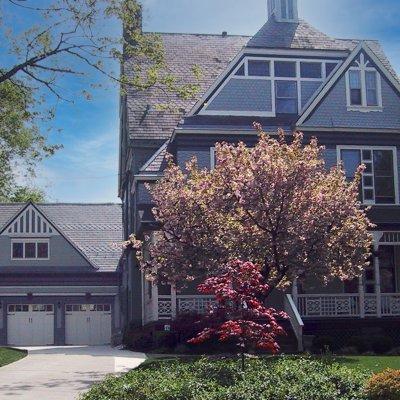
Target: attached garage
(87,324)
(30,324)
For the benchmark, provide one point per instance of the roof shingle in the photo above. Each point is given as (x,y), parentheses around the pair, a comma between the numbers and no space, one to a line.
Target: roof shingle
(95,229)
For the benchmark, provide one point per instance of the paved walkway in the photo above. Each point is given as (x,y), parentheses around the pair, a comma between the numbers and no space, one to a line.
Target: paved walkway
(61,373)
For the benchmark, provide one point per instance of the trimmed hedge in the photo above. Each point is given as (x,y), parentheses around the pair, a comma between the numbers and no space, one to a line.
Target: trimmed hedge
(384,386)
(275,378)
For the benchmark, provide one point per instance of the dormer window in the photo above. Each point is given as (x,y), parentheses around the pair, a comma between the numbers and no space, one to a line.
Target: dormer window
(363,87)
(30,249)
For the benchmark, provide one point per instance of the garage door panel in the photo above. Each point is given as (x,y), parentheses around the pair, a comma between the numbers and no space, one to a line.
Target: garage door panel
(87,324)
(30,324)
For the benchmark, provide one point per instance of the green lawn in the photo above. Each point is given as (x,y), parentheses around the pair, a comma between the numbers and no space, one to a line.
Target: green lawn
(372,363)
(8,356)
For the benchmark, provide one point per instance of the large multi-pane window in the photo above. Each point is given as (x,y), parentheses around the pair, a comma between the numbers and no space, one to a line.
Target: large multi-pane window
(378,185)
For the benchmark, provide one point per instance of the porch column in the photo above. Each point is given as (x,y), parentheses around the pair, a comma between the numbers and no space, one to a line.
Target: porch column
(295,292)
(173,301)
(377,283)
(154,294)
(361,295)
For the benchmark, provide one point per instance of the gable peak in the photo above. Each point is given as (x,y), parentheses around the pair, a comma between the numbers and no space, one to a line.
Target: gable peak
(29,221)
(283,10)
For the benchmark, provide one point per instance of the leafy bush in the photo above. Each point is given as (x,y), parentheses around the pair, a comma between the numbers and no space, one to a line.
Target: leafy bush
(273,378)
(384,386)
(381,344)
(139,338)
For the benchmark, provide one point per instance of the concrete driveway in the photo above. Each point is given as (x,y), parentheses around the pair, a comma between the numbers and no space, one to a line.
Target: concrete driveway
(62,373)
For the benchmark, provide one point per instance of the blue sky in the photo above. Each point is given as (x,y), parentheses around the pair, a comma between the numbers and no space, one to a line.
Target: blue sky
(86,169)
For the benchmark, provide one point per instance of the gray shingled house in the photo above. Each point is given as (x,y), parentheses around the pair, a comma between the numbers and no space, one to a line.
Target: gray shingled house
(59,279)
(288,75)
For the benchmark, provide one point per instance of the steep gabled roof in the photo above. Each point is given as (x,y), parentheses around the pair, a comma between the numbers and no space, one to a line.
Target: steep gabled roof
(318,96)
(214,55)
(211,53)
(94,229)
(290,35)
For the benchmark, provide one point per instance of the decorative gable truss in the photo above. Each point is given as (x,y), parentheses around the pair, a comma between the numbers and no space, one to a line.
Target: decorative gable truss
(266,86)
(29,222)
(357,86)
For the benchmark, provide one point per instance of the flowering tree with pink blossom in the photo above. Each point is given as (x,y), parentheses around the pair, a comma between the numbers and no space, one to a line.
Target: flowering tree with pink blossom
(275,204)
(239,314)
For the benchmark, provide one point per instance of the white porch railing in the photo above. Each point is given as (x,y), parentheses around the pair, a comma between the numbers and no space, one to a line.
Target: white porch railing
(390,304)
(184,304)
(348,305)
(295,320)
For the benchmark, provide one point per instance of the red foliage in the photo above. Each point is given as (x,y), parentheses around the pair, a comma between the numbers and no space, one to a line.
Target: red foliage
(239,314)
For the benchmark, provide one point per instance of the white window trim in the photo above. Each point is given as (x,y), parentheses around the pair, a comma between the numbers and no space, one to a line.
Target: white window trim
(363,68)
(23,249)
(271,78)
(395,169)
(212,158)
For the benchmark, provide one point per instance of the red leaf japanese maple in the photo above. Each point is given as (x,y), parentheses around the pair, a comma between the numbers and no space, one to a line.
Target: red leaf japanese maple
(239,313)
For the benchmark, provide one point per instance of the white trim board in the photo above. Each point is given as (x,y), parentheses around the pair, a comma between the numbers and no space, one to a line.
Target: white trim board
(154,156)
(58,290)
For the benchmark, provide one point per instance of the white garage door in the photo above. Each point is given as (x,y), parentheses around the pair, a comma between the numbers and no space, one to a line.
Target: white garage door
(87,324)
(30,324)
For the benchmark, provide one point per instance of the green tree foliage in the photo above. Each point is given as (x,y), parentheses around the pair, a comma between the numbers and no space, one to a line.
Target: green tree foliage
(82,39)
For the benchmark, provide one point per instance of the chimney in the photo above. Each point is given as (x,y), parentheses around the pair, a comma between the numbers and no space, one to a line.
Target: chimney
(283,10)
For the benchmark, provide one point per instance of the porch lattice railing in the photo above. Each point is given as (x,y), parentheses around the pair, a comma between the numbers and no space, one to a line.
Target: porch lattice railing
(184,304)
(348,305)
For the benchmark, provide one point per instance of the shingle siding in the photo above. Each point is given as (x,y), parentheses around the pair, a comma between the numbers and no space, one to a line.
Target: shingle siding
(243,95)
(332,111)
(308,88)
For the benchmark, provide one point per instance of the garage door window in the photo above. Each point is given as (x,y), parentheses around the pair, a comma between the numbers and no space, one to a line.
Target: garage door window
(18,308)
(87,307)
(15,308)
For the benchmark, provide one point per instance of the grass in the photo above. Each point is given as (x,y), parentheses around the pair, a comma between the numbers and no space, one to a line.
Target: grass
(8,356)
(372,363)
(366,363)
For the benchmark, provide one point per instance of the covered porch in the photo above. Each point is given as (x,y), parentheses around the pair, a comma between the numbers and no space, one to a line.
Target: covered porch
(375,294)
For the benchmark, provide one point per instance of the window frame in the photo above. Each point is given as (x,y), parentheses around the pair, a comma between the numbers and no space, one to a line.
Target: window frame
(395,170)
(24,241)
(363,68)
(212,158)
(272,78)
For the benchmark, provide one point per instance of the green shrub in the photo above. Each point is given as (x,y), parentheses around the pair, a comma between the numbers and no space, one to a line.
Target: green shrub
(384,386)
(139,338)
(273,378)
(381,344)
